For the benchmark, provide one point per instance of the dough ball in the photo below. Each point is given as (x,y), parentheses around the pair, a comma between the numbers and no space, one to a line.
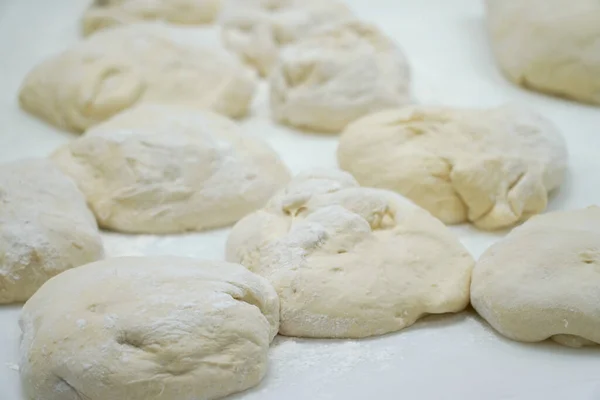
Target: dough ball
(257,29)
(140,328)
(336,75)
(552,46)
(107,13)
(351,262)
(492,167)
(543,280)
(167,169)
(45,228)
(118,68)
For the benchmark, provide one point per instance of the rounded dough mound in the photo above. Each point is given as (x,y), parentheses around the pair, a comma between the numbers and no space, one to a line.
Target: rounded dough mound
(543,280)
(118,68)
(552,46)
(257,29)
(351,262)
(45,228)
(107,13)
(138,328)
(492,167)
(166,169)
(336,75)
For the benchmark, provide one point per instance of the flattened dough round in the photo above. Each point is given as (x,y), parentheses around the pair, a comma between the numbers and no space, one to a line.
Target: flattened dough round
(257,29)
(107,13)
(337,75)
(492,167)
(543,280)
(139,328)
(118,68)
(552,46)
(166,169)
(351,262)
(45,227)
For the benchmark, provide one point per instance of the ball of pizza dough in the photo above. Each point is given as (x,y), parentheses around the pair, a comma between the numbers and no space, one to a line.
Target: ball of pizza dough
(45,227)
(138,328)
(543,280)
(336,75)
(258,29)
(552,46)
(118,68)
(351,262)
(492,167)
(167,169)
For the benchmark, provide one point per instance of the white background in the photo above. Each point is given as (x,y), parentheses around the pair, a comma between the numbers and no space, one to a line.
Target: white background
(447,357)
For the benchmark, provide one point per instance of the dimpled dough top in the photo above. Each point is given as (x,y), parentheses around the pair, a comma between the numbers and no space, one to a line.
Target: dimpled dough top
(351,262)
(336,75)
(141,328)
(118,68)
(257,29)
(491,167)
(106,13)
(45,228)
(166,169)
(549,45)
(543,280)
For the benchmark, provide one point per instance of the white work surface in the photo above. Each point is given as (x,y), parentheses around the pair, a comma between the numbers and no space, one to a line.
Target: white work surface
(440,357)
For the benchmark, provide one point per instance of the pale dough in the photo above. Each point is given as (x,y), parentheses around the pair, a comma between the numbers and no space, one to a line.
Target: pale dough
(258,29)
(491,167)
(140,328)
(351,262)
(45,227)
(552,46)
(543,280)
(336,75)
(118,68)
(165,169)
(107,13)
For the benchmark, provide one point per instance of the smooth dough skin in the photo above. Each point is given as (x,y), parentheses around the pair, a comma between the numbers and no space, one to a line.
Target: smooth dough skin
(492,167)
(543,280)
(107,13)
(337,75)
(551,46)
(168,169)
(147,328)
(45,228)
(351,262)
(118,68)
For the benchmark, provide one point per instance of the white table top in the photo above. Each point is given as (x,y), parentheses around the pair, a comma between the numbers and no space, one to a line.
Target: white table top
(442,357)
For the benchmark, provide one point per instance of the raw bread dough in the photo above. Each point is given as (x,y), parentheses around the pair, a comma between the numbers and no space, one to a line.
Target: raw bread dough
(549,45)
(166,169)
(107,13)
(140,328)
(543,280)
(491,167)
(351,262)
(257,29)
(118,68)
(336,75)
(45,228)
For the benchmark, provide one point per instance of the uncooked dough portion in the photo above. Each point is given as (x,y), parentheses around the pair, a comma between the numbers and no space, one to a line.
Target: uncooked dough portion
(107,13)
(141,63)
(139,328)
(552,46)
(351,262)
(45,228)
(543,280)
(492,167)
(166,169)
(336,75)
(257,29)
